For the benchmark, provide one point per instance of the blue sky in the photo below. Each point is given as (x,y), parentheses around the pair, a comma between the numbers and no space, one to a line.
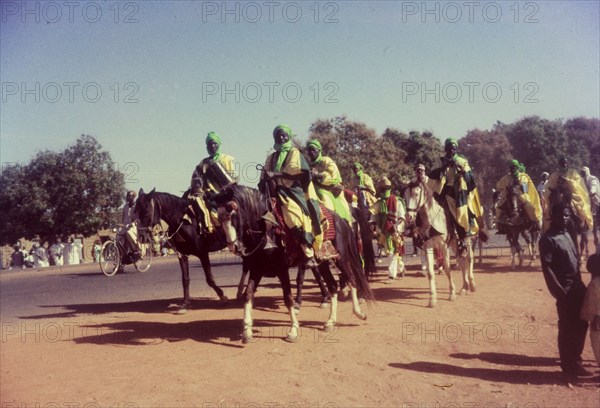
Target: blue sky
(150,79)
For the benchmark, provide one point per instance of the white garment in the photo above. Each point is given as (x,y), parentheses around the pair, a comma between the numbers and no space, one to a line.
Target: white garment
(57,251)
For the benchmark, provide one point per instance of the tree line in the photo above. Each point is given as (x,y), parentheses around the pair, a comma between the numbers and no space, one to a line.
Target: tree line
(79,190)
(536,142)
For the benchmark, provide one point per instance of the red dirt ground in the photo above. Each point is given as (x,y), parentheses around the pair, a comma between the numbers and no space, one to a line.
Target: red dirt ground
(492,348)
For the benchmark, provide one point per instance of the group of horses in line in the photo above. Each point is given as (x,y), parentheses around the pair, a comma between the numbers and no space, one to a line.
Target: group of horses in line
(250,229)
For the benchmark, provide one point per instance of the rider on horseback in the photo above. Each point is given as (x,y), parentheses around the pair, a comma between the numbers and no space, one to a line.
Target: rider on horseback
(519,183)
(567,182)
(454,188)
(209,177)
(388,212)
(327,180)
(363,186)
(287,178)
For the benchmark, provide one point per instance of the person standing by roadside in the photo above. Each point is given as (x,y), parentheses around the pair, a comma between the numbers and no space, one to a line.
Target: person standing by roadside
(56,252)
(590,310)
(560,265)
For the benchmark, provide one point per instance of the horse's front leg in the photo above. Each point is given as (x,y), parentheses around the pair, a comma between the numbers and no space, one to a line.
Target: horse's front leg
(332,288)
(247,334)
(299,285)
(242,285)
(431,276)
(210,280)
(185,281)
(356,309)
(286,287)
(445,266)
(465,262)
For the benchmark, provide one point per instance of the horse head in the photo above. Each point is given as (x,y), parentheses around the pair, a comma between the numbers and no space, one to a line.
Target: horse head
(147,210)
(415,198)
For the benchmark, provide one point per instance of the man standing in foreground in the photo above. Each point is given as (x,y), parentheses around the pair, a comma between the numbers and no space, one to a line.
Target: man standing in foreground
(561,272)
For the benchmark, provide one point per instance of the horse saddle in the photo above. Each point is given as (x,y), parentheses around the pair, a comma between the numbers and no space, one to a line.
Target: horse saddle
(292,248)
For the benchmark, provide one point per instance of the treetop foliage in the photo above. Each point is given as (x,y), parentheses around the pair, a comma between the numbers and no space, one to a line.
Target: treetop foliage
(57,194)
(538,143)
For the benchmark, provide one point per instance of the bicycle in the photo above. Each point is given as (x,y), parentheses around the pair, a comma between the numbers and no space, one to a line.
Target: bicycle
(115,254)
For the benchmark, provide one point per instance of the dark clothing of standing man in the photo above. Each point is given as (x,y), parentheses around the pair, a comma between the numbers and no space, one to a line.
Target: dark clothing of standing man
(561,272)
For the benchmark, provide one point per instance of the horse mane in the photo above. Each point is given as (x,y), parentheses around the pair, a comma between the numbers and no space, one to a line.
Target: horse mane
(172,207)
(253,204)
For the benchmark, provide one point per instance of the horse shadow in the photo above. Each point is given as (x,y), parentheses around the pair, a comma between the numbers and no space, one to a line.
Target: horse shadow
(495,375)
(141,306)
(138,333)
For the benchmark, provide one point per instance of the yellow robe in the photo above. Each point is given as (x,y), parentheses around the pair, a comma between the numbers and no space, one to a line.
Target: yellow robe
(572,181)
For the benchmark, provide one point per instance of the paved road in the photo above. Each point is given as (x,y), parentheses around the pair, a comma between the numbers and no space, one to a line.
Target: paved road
(49,292)
(54,292)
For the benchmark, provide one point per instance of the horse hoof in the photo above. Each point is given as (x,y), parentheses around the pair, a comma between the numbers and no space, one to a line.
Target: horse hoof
(432,303)
(329,327)
(324,305)
(463,292)
(224,299)
(472,288)
(361,315)
(182,310)
(291,339)
(452,296)
(246,340)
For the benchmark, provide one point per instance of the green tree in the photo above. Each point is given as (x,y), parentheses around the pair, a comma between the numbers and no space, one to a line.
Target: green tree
(76,191)
(538,143)
(488,153)
(584,134)
(346,142)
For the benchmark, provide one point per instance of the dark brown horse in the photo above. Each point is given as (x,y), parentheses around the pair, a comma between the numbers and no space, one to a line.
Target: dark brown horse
(184,238)
(513,222)
(255,238)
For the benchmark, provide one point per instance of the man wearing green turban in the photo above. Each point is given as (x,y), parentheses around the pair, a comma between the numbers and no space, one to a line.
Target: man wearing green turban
(327,180)
(210,175)
(287,178)
(363,186)
(527,195)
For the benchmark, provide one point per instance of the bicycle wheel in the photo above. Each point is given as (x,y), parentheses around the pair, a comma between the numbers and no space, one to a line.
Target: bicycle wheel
(110,258)
(145,260)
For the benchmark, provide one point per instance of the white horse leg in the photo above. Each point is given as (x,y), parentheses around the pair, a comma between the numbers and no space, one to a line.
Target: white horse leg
(247,332)
(447,270)
(466,266)
(356,309)
(431,276)
(292,335)
(470,262)
(330,324)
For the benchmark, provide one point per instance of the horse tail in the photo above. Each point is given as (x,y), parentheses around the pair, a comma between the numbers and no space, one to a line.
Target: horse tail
(350,262)
(366,236)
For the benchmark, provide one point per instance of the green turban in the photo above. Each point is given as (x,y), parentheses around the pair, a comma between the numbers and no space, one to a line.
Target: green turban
(285,128)
(316,144)
(212,136)
(282,149)
(451,141)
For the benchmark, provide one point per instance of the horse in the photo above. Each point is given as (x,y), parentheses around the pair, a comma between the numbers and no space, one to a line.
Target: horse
(426,222)
(514,222)
(256,237)
(184,238)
